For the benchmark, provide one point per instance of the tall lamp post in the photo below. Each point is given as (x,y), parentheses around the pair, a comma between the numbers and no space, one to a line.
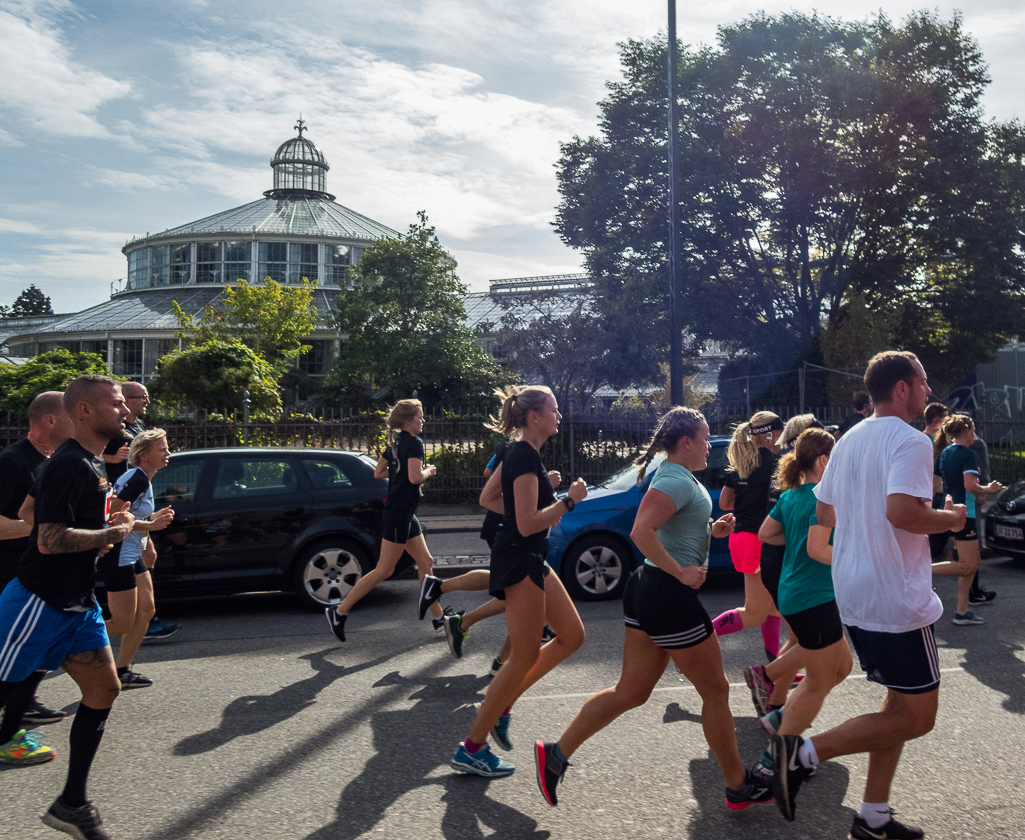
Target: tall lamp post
(675,261)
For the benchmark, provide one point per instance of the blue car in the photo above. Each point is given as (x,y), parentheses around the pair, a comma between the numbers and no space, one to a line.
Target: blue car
(591,549)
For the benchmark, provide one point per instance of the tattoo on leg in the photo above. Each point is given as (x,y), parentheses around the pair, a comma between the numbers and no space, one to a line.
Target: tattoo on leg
(99,658)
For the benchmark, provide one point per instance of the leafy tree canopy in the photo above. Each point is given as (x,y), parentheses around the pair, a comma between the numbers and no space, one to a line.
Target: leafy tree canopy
(821,163)
(20,384)
(214,375)
(270,318)
(404,324)
(29,303)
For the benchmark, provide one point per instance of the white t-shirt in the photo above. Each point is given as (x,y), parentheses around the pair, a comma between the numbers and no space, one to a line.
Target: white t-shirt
(882,576)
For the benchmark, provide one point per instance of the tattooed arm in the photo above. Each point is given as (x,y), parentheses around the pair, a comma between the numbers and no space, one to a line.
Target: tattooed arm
(58,538)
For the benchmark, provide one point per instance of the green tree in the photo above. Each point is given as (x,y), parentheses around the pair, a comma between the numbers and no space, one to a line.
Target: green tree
(404,325)
(270,318)
(214,375)
(20,384)
(30,302)
(818,160)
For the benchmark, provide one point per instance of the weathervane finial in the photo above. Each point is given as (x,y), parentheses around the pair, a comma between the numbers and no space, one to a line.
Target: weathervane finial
(301,125)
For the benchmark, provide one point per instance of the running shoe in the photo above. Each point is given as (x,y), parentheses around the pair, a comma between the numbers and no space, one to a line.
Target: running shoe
(550,770)
(82,823)
(892,830)
(133,679)
(761,688)
(430,591)
(39,715)
(770,722)
(757,788)
(439,623)
(336,621)
(159,629)
(969,617)
(25,749)
(481,763)
(500,732)
(455,634)
(547,635)
(789,773)
(980,596)
(496,666)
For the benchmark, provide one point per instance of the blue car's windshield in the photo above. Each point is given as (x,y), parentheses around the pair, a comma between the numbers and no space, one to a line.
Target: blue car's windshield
(627,477)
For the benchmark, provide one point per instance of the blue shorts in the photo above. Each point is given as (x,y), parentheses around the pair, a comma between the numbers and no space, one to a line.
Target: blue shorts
(904,662)
(35,637)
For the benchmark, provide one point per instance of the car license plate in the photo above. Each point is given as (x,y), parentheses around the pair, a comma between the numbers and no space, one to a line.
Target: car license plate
(1008,533)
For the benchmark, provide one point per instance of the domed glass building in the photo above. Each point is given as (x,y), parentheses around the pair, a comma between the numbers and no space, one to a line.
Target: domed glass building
(296,230)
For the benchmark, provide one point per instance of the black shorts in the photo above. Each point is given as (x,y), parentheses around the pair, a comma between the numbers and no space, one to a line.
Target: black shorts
(656,603)
(400,524)
(511,563)
(968,533)
(904,662)
(772,569)
(118,578)
(817,627)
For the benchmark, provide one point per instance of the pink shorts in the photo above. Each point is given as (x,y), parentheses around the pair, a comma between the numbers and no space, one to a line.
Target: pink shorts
(746,552)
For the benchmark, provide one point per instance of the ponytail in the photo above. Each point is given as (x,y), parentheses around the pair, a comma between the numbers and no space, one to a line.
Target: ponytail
(953,427)
(811,445)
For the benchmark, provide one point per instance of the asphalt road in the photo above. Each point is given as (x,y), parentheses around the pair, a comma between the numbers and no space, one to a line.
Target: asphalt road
(260,725)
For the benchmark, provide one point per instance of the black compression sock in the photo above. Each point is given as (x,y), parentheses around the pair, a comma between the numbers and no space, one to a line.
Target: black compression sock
(18,698)
(86,733)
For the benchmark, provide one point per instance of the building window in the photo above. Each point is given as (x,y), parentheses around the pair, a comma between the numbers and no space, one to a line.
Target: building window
(155,349)
(273,261)
(317,361)
(303,261)
(128,357)
(181,264)
(97,346)
(208,262)
(159,265)
(138,269)
(237,258)
(341,259)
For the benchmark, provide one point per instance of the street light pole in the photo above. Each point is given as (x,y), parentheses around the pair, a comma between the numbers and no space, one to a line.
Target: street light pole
(675,261)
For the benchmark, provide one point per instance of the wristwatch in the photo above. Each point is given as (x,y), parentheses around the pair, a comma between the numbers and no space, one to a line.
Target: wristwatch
(570,504)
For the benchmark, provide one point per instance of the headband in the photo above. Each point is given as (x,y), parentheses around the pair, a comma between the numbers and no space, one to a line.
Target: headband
(774,426)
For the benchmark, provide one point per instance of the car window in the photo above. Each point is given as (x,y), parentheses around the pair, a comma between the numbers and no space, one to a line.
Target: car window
(627,477)
(713,476)
(243,478)
(178,481)
(325,474)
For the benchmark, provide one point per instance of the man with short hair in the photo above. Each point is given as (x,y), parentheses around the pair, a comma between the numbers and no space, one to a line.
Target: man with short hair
(861,402)
(877,492)
(49,617)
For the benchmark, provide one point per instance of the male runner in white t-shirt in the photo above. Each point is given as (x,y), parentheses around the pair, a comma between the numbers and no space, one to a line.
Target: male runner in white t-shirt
(877,491)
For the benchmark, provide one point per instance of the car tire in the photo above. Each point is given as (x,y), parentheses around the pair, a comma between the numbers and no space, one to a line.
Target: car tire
(327,572)
(596,568)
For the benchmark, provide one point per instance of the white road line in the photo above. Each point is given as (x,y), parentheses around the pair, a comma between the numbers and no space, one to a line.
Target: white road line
(684,687)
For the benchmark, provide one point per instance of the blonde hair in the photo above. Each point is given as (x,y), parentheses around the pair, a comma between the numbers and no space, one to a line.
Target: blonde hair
(795,425)
(143,443)
(677,423)
(811,445)
(398,415)
(517,402)
(743,449)
(953,427)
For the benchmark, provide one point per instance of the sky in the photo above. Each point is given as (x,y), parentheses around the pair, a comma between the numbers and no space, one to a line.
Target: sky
(123,117)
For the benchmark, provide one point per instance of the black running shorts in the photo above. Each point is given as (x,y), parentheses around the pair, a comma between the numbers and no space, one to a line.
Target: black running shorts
(656,603)
(400,524)
(968,533)
(118,578)
(817,627)
(905,662)
(511,563)
(772,569)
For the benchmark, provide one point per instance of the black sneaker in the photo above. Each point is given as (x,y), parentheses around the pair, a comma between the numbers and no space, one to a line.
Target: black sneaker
(892,830)
(547,635)
(788,772)
(455,634)
(757,788)
(336,621)
(430,591)
(133,679)
(981,596)
(39,715)
(550,770)
(83,823)
(439,623)
(159,629)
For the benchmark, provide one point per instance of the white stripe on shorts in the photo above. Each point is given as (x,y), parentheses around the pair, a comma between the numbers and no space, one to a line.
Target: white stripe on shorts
(14,644)
(683,639)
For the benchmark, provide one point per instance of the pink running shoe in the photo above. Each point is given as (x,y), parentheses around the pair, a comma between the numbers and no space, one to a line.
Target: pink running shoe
(761,688)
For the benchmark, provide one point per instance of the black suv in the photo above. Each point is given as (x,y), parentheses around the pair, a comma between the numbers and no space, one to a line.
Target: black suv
(249,520)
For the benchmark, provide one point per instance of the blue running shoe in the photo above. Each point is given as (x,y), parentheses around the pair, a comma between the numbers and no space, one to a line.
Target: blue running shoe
(481,763)
(770,723)
(500,732)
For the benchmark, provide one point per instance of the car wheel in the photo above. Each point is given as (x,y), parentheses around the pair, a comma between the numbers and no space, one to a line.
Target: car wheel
(596,568)
(327,572)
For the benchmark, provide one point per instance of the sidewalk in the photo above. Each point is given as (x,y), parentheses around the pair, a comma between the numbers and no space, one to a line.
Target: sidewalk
(450,519)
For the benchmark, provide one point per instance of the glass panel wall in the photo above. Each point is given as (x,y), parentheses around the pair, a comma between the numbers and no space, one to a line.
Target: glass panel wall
(208,262)
(303,261)
(339,260)
(273,261)
(181,264)
(317,361)
(159,265)
(155,348)
(97,346)
(237,259)
(138,269)
(128,357)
